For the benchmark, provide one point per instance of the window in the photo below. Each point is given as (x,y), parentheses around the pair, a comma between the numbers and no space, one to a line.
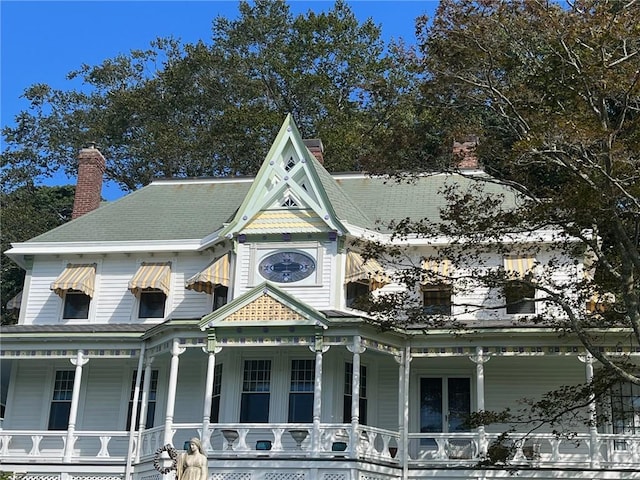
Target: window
(254,404)
(61,402)
(290,164)
(152,303)
(348,382)
(220,296)
(151,401)
(301,391)
(436,300)
(625,411)
(76,305)
(355,291)
(214,415)
(289,202)
(519,298)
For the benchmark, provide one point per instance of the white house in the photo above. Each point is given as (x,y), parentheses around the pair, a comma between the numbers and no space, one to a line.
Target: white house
(220,309)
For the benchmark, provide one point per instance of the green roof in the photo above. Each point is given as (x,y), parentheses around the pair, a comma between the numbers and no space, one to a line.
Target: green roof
(160,211)
(194,209)
(387,199)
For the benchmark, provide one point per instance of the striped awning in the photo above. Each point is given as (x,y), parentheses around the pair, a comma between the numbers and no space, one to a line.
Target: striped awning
(80,277)
(15,302)
(357,270)
(152,275)
(217,273)
(438,270)
(519,267)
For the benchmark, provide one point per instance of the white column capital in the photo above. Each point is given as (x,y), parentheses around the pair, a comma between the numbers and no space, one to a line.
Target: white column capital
(586,358)
(176,349)
(357,346)
(80,359)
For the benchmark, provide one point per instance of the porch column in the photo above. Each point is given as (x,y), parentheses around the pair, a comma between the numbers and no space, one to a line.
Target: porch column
(79,361)
(319,349)
(357,349)
(403,396)
(594,443)
(208,393)
(176,351)
(144,405)
(134,414)
(480,359)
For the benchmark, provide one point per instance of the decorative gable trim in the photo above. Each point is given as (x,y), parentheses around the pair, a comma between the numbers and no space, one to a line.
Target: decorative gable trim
(264,309)
(264,305)
(291,221)
(287,172)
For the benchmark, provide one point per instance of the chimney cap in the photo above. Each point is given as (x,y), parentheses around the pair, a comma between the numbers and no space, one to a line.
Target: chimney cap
(313,144)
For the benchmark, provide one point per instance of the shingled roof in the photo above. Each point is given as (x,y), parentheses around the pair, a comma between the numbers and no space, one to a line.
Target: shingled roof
(196,208)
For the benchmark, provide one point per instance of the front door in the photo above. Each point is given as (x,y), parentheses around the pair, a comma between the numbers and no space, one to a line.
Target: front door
(445,404)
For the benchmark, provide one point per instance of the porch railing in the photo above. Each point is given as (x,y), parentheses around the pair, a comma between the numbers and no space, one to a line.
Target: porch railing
(242,439)
(329,441)
(27,445)
(581,450)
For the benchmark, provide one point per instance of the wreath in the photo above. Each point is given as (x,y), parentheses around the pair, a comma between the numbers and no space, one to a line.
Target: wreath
(173,455)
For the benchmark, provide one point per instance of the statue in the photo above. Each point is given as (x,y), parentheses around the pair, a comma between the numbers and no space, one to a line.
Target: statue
(192,465)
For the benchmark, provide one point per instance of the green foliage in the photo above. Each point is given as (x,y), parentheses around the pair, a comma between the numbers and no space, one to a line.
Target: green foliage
(212,108)
(554,93)
(27,212)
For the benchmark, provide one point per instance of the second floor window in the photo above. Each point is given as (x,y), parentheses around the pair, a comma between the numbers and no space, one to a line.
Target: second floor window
(76,305)
(436,299)
(152,302)
(220,296)
(356,291)
(519,298)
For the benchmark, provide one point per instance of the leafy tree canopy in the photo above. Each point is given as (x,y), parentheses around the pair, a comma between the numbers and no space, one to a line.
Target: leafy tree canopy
(212,108)
(27,212)
(553,92)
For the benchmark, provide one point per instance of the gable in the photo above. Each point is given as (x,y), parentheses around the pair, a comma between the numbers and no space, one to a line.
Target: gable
(287,192)
(264,305)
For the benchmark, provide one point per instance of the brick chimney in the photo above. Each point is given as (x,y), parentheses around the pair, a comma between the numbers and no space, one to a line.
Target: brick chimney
(465,153)
(91,166)
(314,145)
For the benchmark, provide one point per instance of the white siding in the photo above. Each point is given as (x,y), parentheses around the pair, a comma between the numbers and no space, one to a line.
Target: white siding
(532,376)
(27,407)
(385,398)
(189,303)
(190,390)
(44,306)
(114,301)
(106,386)
(317,296)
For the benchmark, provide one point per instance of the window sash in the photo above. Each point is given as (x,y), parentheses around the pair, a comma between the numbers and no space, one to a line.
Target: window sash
(152,304)
(214,414)
(76,305)
(256,385)
(436,300)
(151,400)
(61,400)
(519,298)
(301,391)
(348,398)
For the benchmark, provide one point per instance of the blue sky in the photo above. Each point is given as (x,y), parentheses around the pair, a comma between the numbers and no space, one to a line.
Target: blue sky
(42,41)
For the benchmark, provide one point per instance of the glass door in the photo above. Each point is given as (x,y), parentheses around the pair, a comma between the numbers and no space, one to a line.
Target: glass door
(445,404)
